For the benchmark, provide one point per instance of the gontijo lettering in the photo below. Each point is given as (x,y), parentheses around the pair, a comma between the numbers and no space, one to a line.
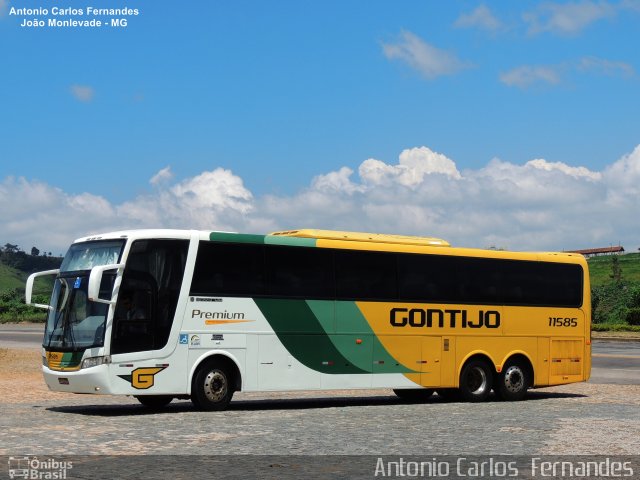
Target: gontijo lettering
(418,317)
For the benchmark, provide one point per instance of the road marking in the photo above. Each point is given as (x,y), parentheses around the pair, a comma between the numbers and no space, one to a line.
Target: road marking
(604,355)
(20,332)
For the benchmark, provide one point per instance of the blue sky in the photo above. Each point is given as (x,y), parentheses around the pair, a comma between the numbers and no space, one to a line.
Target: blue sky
(251,107)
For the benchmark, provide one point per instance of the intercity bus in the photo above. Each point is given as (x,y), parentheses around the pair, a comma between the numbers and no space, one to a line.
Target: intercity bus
(218,312)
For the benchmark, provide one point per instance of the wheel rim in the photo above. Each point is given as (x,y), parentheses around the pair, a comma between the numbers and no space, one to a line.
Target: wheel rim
(514,379)
(215,386)
(477,381)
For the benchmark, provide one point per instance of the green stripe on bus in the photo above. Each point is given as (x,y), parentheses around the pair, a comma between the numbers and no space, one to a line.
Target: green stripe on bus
(236,237)
(303,336)
(290,241)
(352,324)
(354,343)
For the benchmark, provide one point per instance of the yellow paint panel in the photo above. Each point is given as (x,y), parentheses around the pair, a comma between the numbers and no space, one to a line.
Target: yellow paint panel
(407,350)
(54,361)
(567,357)
(541,369)
(431,361)
(547,321)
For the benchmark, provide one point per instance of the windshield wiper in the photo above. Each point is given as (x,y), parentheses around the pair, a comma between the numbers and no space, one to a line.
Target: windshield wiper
(55,326)
(67,329)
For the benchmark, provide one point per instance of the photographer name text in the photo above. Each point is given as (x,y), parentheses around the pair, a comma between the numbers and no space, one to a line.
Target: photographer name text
(73,17)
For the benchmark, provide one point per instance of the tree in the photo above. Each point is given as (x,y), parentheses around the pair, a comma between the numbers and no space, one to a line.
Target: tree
(616,270)
(35,252)
(10,248)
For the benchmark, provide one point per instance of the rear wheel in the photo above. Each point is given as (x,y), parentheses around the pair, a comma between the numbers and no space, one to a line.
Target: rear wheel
(476,380)
(514,380)
(413,394)
(154,402)
(212,387)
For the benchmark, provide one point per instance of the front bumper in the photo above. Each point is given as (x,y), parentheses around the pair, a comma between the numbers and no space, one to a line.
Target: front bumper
(88,380)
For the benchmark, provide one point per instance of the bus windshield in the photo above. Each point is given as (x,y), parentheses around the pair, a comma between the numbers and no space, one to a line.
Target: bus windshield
(74,322)
(85,256)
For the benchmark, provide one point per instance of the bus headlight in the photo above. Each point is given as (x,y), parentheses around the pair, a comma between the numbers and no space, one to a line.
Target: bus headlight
(95,361)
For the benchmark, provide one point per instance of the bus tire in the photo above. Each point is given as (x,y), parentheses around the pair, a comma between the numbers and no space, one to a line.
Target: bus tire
(212,386)
(413,394)
(154,402)
(513,381)
(476,380)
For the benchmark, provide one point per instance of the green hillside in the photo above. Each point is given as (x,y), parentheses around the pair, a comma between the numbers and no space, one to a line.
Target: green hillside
(600,268)
(10,278)
(615,291)
(15,267)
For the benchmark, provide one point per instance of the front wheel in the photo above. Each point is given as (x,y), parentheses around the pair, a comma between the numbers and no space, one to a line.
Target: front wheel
(212,387)
(476,380)
(513,382)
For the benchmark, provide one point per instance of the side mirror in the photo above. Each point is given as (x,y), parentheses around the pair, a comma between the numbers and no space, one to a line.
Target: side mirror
(95,280)
(28,292)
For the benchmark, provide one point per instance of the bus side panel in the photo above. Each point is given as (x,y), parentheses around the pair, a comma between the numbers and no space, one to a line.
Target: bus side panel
(448,371)
(544,321)
(151,376)
(430,372)
(279,370)
(541,367)
(567,360)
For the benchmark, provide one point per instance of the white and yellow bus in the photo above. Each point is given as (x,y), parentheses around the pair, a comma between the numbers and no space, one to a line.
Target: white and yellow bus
(163,314)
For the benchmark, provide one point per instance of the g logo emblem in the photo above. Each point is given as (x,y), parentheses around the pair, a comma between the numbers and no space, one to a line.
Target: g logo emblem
(142,378)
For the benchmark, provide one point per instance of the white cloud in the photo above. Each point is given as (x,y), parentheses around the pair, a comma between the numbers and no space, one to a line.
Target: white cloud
(567,18)
(414,164)
(430,61)
(624,179)
(528,75)
(481,17)
(633,5)
(339,181)
(606,67)
(47,217)
(4,6)
(577,172)
(215,198)
(82,93)
(162,176)
(540,205)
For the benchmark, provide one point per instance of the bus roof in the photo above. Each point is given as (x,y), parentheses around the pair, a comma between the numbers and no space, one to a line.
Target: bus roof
(363,237)
(341,239)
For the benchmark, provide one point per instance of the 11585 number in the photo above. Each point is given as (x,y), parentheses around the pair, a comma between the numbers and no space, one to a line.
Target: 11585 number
(563,322)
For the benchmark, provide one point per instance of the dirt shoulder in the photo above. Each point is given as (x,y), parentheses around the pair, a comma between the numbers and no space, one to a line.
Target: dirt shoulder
(21,377)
